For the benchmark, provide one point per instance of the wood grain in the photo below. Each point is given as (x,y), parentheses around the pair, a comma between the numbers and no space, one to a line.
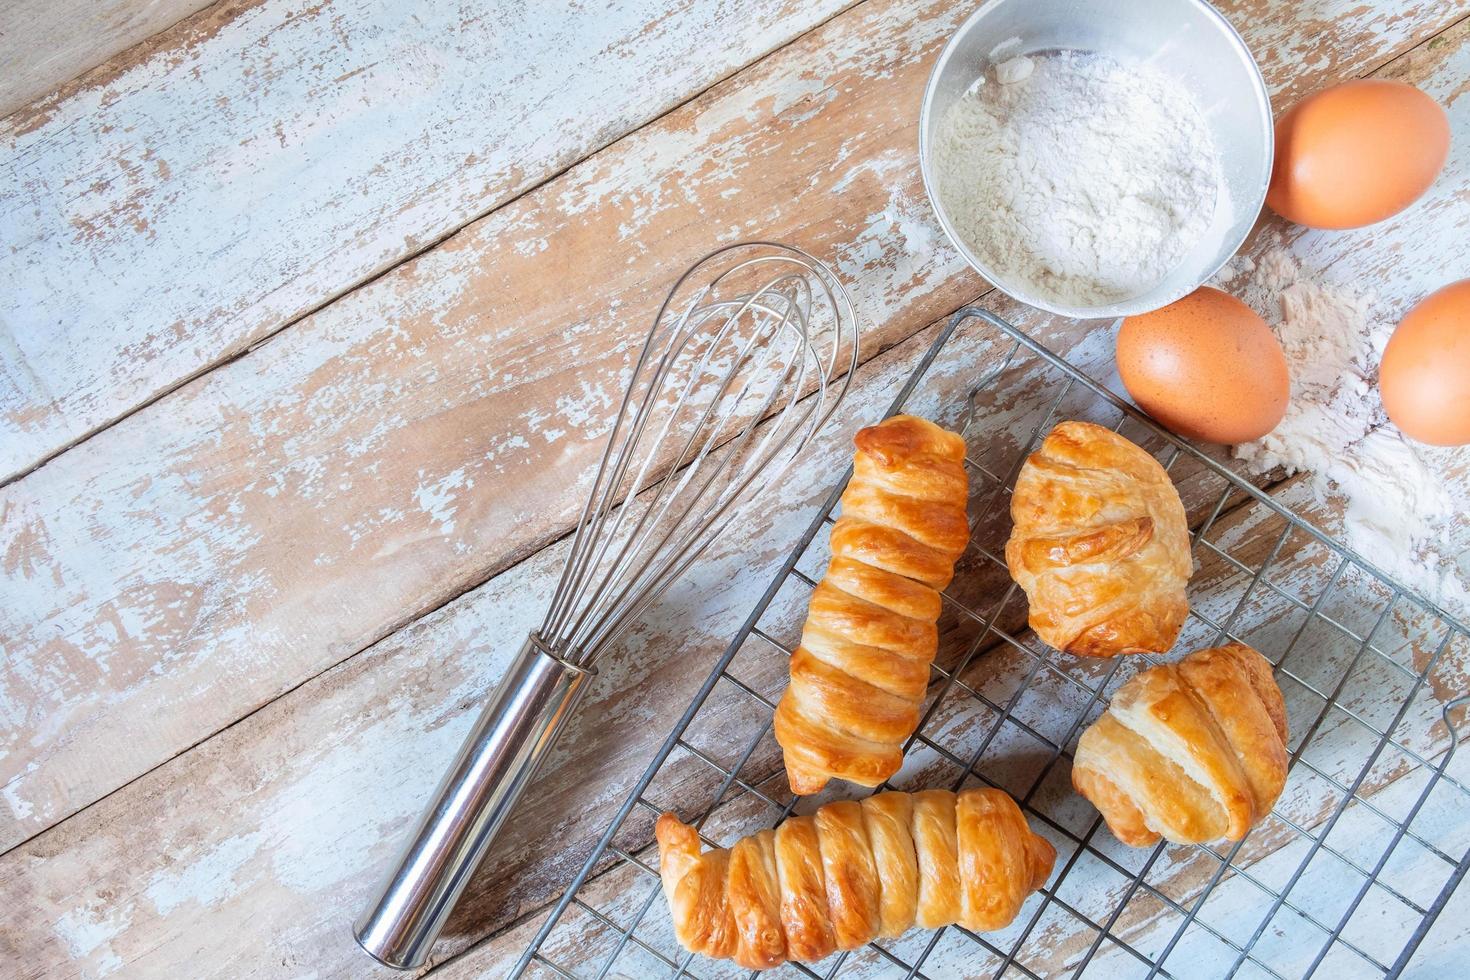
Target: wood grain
(44,43)
(343,755)
(318,784)
(321,786)
(1057,943)
(1322,891)
(430,429)
(262,157)
(1014,759)
(327,144)
(1338,747)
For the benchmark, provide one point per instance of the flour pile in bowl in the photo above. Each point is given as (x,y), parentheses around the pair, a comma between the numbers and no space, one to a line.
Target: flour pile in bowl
(1081,178)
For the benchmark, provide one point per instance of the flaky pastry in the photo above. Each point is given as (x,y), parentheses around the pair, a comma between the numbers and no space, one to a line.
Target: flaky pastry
(851,873)
(1100,544)
(860,672)
(1193,751)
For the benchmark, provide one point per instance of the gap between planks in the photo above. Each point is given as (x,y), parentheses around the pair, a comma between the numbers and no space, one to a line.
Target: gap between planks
(1269,487)
(892,373)
(1272,483)
(1223,520)
(415,617)
(143,49)
(478,581)
(140,51)
(96,33)
(614,863)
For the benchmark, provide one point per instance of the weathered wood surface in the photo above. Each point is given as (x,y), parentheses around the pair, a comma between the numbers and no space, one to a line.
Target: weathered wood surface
(297,504)
(218,114)
(320,784)
(1094,887)
(44,43)
(342,755)
(326,489)
(1015,759)
(1339,747)
(261,158)
(351,752)
(1440,69)
(357,732)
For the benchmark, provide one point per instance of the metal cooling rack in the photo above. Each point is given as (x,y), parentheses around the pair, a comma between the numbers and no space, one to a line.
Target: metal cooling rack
(1345,878)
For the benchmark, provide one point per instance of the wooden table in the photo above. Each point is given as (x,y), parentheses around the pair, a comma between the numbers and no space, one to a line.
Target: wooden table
(311,320)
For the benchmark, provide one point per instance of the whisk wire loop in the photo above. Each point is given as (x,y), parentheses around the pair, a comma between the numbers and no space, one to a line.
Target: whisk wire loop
(719,375)
(662,500)
(727,388)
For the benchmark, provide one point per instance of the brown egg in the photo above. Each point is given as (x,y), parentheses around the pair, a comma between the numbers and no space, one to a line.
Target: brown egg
(1425,375)
(1205,367)
(1356,153)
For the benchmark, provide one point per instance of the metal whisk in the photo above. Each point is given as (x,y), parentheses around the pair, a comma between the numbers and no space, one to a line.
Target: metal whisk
(739,371)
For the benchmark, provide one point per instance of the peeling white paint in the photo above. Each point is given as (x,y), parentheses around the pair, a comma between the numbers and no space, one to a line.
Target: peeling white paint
(207,880)
(20,807)
(88,933)
(130,533)
(371,130)
(437,497)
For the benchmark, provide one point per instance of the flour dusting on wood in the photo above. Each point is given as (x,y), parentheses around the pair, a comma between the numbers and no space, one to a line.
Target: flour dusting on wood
(1398,508)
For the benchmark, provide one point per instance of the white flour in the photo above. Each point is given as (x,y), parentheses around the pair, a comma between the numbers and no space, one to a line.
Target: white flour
(1395,508)
(1088,179)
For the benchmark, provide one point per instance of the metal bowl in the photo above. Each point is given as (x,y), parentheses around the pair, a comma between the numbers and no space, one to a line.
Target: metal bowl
(1187,40)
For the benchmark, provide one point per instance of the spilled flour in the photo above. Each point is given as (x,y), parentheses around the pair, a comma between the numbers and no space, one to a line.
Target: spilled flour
(1396,509)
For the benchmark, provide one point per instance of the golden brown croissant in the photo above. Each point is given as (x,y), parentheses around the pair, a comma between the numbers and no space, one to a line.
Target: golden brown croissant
(1193,751)
(1100,544)
(860,672)
(851,873)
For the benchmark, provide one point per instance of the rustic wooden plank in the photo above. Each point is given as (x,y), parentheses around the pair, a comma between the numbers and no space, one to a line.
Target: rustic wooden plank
(253,162)
(1337,261)
(301,502)
(1236,899)
(369,131)
(430,429)
(535,864)
(320,785)
(1057,944)
(44,43)
(1373,690)
(1292,940)
(1339,747)
(345,751)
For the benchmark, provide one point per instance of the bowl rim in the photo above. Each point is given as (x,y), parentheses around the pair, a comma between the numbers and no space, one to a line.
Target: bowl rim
(1262,99)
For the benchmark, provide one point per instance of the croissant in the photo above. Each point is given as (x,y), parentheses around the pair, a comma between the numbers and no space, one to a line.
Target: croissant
(1100,544)
(859,675)
(1193,751)
(851,873)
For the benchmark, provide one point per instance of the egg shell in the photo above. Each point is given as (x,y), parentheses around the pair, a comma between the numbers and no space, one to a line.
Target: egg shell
(1356,153)
(1206,367)
(1425,374)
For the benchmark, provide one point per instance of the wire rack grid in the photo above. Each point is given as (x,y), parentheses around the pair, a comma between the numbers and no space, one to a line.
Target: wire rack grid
(1360,855)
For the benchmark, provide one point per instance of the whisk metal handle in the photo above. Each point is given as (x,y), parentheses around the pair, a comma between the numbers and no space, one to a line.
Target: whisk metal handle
(507,744)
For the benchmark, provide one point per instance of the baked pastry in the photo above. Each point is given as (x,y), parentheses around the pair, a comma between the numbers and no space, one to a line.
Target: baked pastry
(851,873)
(1100,544)
(860,672)
(1193,751)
